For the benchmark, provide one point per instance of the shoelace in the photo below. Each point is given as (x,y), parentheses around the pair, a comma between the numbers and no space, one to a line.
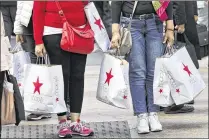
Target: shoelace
(79,127)
(63,125)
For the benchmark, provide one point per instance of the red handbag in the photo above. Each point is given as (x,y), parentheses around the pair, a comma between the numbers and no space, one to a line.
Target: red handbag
(74,39)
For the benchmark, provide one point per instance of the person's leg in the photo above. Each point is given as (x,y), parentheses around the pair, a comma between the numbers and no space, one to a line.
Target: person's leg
(76,87)
(7,21)
(154,49)
(2,75)
(137,73)
(59,57)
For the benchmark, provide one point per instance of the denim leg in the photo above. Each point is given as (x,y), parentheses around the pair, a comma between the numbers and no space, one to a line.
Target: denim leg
(154,49)
(137,67)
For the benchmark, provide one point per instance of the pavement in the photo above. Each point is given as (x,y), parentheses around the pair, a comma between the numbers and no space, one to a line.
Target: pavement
(189,125)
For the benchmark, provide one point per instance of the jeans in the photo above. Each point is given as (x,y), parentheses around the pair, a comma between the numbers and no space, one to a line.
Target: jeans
(73,66)
(147,38)
(2,76)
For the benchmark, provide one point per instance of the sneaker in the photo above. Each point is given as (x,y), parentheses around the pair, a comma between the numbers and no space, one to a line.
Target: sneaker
(154,122)
(37,117)
(63,130)
(143,123)
(78,128)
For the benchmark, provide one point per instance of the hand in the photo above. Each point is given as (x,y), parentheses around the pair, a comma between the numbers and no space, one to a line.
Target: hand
(195,18)
(40,50)
(180,28)
(19,38)
(169,38)
(116,39)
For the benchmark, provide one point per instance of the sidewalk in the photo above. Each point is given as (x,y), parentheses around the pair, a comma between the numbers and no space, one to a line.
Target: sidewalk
(191,125)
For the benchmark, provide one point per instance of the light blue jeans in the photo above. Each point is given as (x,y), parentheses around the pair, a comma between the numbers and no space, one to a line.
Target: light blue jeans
(147,38)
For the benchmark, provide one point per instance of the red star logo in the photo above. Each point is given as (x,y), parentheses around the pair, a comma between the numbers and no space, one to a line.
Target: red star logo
(37,86)
(109,76)
(177,90)
(98,22)
(124,97)
(57,99)
(187,69)
(19,85)
(161,91)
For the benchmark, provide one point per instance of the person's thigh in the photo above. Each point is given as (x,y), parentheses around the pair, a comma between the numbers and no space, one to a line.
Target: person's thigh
(8,24)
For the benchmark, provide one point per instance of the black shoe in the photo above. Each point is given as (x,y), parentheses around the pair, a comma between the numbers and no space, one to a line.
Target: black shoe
(191,102)
(37,117)
(162,108)
(175,109)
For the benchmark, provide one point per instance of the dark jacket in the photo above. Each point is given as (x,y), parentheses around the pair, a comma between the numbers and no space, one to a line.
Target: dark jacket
(184,12)
(104,9)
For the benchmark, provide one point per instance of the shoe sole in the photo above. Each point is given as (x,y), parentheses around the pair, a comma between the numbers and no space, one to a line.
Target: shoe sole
(178,112)
(156,130)
(39,118)
(83,135)
(64,137)
(143,132)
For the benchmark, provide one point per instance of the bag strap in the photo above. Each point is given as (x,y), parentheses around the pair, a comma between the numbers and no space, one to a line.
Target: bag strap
(134,8)
(61,13)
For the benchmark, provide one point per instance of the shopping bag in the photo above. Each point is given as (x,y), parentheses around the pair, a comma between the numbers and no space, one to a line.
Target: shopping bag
(161,89)
(112,88)
(19,106)
(7,104)
(20,58)
(100,33)
(44,89)
(184,78)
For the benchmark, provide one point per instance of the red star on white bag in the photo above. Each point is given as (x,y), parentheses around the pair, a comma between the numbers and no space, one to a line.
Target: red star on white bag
(177,90)
(125,97)
(98,23)
(37,86)
(186,68)
(161,91)
(109,77)
(57,99)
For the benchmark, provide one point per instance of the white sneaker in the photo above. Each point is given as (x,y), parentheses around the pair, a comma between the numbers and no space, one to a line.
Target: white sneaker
(154,122)
(143,123)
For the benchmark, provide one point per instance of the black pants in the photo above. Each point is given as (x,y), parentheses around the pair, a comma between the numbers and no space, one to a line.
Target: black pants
(73,66)
(2,75)
(9,13)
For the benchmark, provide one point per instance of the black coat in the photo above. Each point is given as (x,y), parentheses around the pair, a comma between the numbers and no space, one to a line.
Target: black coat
(104,9)
(184,12)
(8,3)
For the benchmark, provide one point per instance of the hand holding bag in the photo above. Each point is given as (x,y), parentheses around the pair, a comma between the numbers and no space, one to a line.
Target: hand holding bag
(125,33)
(75,39)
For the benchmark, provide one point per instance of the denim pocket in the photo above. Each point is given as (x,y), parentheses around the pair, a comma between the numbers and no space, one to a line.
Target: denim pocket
(159,24)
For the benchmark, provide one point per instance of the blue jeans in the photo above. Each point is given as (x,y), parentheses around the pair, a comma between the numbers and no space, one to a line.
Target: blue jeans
(147,40)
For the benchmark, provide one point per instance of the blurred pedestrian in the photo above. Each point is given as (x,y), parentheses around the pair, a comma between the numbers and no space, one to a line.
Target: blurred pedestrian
(147,45)
(203,12)
(23,28)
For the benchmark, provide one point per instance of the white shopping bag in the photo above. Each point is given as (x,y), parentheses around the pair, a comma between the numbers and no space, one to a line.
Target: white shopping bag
(20,58)
(112,87)
(161,89)
(185,80)
(44,89)
(100,33)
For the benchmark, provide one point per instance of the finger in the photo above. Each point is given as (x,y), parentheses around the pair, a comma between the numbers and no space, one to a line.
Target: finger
(44,51)
(21,39)
(176,27)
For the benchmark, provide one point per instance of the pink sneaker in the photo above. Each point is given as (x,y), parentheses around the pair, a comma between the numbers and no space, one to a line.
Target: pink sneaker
(63,130)
(78,128)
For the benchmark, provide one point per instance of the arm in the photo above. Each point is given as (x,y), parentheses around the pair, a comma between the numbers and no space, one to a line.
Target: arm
(179,12)
(195,8)
(38,21)
(18,28)
(116,7)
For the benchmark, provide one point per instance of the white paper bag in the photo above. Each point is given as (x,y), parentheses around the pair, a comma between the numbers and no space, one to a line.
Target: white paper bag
(185,80)
(44,89)
(161,88)
(112,88)
(100,33)
(20,58)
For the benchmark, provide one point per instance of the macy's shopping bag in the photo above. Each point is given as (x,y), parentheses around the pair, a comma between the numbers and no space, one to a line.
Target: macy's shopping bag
(112,88)
(20,58)
(100,33)
(44,89)
(161,89)
(184,78)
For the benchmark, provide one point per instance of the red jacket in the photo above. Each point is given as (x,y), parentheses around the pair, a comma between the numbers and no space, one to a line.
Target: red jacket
(45,13)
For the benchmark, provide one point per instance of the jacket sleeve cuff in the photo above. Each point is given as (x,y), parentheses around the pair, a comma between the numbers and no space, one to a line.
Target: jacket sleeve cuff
(38,42)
